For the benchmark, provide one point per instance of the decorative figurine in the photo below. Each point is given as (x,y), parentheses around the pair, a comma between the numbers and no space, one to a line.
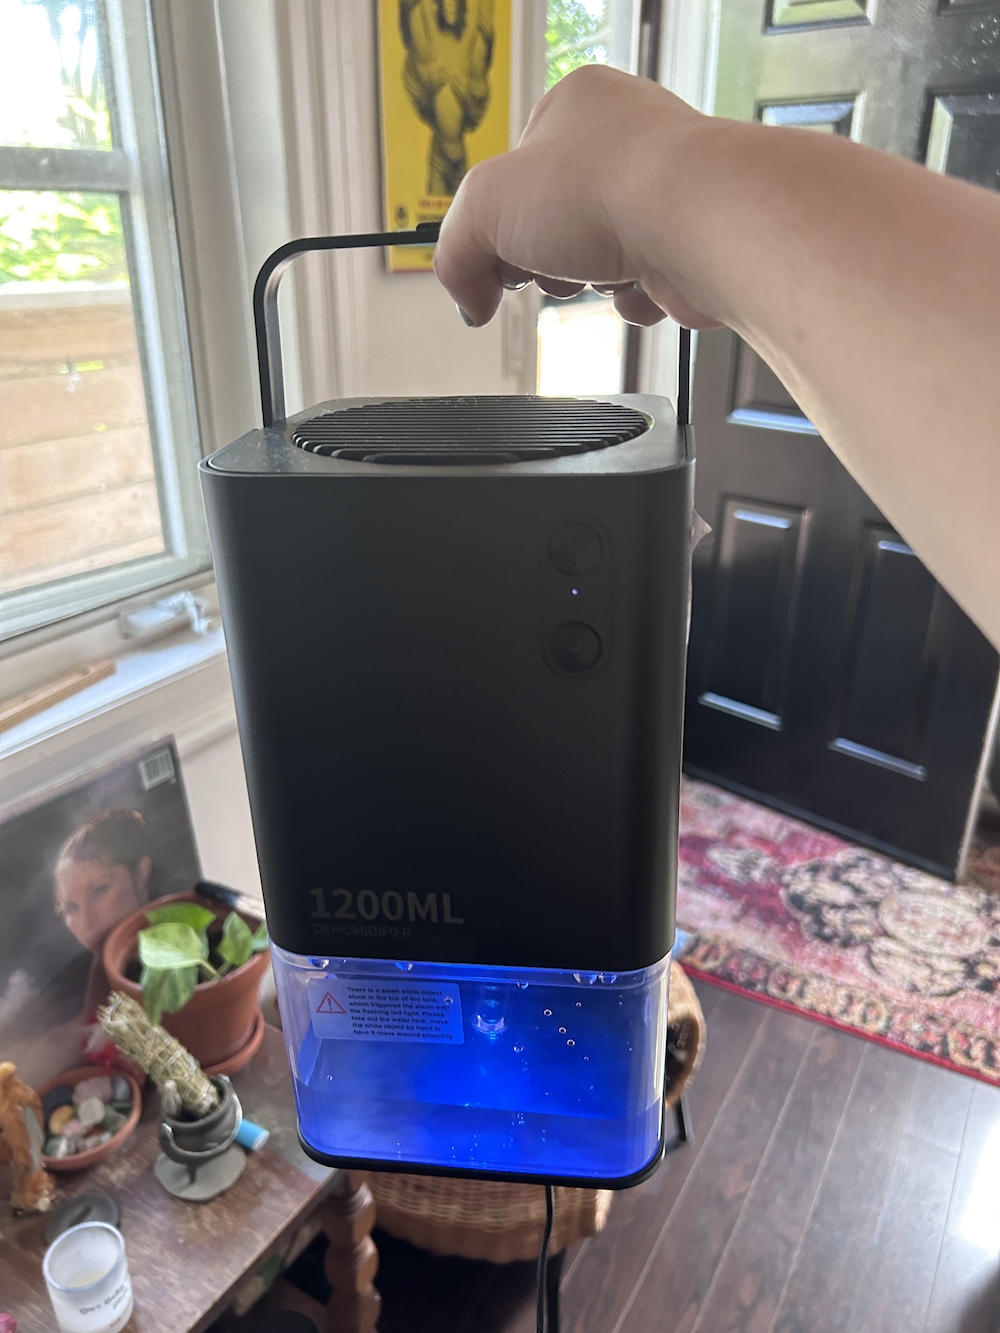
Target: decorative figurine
(22,1134)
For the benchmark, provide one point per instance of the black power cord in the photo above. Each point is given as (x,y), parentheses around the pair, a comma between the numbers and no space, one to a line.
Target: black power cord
(684,377)
(548,1299)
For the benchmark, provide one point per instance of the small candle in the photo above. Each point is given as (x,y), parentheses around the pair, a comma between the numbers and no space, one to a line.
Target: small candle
(86,1272)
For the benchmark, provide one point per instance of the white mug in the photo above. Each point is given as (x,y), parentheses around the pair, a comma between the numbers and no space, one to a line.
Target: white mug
(86,1272)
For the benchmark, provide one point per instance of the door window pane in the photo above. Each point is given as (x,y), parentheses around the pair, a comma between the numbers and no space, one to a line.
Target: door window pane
(77,480)
(52,88)
(579,346)
(580,340)
(587,32)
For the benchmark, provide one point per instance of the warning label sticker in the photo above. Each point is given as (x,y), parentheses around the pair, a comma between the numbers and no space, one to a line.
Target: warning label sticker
(386,1010)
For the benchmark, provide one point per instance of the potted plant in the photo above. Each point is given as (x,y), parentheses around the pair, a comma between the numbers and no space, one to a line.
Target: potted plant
(195,965)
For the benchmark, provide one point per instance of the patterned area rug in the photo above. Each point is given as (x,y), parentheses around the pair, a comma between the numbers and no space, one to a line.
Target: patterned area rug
(799,918)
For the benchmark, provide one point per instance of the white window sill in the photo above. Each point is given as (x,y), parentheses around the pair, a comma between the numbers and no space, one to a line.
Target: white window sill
(176,688)
(137,674)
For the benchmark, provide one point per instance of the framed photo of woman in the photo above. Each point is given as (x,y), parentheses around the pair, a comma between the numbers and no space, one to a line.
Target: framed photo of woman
(73,863)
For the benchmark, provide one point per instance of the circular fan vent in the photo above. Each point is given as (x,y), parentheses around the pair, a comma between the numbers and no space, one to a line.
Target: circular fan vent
(462,431)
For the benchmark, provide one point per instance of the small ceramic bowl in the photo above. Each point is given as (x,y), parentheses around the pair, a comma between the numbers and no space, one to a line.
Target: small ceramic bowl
(80,1160)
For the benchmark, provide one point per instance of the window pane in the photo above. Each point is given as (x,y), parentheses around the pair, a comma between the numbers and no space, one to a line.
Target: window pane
(52,88)
(77,483)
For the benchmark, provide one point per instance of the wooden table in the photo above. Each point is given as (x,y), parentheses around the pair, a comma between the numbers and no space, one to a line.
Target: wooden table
(188,1260)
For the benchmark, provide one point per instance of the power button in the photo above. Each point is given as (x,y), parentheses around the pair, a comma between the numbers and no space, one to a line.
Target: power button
(575,646)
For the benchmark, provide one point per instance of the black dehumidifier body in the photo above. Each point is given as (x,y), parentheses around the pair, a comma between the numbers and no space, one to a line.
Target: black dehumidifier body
(457,632)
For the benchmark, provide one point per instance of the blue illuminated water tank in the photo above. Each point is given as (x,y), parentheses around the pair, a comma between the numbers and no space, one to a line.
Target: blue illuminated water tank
(492,1070)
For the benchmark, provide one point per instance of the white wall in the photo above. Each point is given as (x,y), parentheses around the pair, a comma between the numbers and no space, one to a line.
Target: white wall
(220,812)
(363,330)
(272,116)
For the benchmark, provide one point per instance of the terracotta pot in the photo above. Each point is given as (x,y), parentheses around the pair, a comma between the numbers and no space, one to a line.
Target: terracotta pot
(80,1160)
(221,1017)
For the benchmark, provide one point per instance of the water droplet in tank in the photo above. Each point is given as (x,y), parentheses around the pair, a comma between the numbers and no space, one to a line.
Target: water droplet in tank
(562,1029)
(570,1042)
(548,1013)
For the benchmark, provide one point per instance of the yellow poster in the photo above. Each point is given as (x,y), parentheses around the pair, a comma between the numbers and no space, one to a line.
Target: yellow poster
(445,106)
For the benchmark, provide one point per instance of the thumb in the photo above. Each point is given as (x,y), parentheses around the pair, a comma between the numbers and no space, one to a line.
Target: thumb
(466,255)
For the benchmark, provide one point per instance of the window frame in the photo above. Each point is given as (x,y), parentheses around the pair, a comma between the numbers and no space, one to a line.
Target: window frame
(135,169)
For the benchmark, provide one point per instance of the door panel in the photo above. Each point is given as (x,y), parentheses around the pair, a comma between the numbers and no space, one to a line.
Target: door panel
(964,138)
(759,398)
(755,577)
(799,13)
(892,658)
(828,673)
(836,117)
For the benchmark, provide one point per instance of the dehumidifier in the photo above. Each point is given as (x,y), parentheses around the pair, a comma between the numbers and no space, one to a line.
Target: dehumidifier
(457,630)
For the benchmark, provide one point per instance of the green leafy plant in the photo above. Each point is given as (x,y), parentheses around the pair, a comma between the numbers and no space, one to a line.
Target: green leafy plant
(175,953)
(75,235)
(47,236)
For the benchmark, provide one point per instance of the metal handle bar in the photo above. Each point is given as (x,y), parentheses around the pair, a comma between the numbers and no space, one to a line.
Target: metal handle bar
(265,314)
(265,301)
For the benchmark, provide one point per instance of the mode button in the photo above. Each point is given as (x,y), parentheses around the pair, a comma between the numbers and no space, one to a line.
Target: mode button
(575,548)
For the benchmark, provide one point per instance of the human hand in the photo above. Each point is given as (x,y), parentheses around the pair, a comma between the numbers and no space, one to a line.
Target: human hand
(569,206)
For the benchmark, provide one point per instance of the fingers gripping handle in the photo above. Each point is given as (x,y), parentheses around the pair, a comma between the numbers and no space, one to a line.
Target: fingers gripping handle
(265,314)
(265,301)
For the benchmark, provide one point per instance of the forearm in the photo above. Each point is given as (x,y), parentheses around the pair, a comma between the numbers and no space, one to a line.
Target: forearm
(870,285)
(828,259)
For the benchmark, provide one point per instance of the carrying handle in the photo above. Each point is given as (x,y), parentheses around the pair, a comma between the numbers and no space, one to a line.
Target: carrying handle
(265,301)
(265,314)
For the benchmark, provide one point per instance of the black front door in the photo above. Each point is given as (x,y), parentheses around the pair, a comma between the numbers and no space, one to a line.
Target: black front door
(829,674)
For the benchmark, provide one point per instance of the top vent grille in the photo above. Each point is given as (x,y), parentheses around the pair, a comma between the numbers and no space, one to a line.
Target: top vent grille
(463,431)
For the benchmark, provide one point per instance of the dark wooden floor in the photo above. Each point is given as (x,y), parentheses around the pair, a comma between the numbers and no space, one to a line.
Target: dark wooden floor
(833,1185)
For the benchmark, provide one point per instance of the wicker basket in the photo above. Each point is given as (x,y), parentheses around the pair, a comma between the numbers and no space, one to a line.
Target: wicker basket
(483,1219)
(685,1035)
(491,1219)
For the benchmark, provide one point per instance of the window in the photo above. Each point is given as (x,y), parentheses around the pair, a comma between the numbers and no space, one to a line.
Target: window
(99,495)
(580,340)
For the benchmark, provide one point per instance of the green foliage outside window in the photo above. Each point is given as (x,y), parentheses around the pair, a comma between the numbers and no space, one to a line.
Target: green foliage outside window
(63,237)
(75,30)
(576,33)
(74,236)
